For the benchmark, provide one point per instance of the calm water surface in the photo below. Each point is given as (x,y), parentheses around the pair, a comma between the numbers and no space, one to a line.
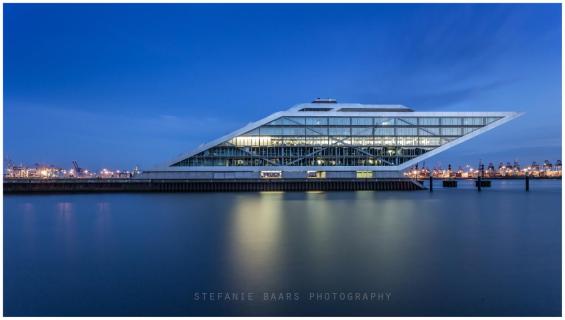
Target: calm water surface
(451,252)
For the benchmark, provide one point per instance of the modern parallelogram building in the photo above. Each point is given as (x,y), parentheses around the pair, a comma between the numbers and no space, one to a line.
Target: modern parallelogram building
(325,139)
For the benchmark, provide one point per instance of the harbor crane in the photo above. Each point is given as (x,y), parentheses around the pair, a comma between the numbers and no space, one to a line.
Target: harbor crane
(78,170)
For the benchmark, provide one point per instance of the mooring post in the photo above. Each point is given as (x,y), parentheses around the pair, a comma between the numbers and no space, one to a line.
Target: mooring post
(431,183)
(479,183)
(527,182)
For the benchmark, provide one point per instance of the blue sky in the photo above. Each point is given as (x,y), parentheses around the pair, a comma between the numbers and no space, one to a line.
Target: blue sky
(123,85)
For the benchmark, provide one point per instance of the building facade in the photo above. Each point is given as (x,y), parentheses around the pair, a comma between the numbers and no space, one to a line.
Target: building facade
(326,139)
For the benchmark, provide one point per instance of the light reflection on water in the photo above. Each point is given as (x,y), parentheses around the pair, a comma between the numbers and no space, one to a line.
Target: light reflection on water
(66,227)
(254,239)
(103,227)
(451,252)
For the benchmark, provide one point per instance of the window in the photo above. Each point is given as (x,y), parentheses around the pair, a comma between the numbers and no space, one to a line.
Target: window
(277,122)
(428,132)
(276,141)
(451,121)
(362,121)
(384,121)
(389,141)
(251,141)
(340,140)
(254,132)
(315,109)
(293,131)
(429,121)
(491,120)
(384,131)
(468,130)
(320,141)
(473,121)
(362,141)
(294,121)
(450,131)
(407,121)
(271,131)
(446,140)
(407,141)
(364,174)
(406,131)
(341,121)
(362,131)
(339,131)
(316,131)
(294,141)
(317,121)
(431,141)
(316,174)
(271,174)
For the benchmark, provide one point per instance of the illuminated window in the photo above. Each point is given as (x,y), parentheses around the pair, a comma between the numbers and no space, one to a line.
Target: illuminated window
(431,141)
(362,141)
(364,174)
(316,174)
(407,141)
(271,174)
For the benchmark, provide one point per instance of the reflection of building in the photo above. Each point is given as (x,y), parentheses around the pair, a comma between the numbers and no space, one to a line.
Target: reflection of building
(334,140)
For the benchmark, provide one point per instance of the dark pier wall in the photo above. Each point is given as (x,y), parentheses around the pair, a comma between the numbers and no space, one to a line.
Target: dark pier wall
(118,185)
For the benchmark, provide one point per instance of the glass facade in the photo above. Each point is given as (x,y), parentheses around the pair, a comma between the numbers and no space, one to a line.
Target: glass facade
(337,141)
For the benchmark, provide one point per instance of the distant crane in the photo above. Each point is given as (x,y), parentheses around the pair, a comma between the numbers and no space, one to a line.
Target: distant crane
(8,162)
(78,170)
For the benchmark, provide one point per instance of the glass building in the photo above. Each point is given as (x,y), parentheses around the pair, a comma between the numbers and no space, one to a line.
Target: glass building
(325,139)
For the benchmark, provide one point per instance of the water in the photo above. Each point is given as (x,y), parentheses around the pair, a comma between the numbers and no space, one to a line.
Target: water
(451,252)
